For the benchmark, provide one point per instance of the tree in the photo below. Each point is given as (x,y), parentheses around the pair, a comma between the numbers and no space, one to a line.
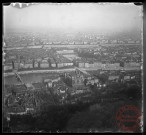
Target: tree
(33,62)
(85,81)
(39,64)
(134,92)
(13,92)
(103,77)
(49,61)
(52,118)
(121,63)
(68,81)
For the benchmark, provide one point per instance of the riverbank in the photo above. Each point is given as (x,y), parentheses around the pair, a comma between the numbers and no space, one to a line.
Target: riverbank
(66,70)
(39,71)
(68,46)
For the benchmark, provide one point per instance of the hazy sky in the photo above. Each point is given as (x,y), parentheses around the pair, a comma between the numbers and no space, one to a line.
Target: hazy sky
(107,17)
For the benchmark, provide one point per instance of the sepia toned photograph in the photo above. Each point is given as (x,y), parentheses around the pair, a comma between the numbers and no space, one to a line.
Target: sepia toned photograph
(72,68)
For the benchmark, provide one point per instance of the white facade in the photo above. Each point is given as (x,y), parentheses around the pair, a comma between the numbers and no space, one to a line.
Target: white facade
(39,59)
(97,64)
(96,80)
(131,42)
(21,65)
(16,65)
(65,51)
(8,67)
(92,82)
(91,65)
(137,41)
(113,77)
(85,43)
(53,65)
(81,65)
(126,77)
(132,64)
(112,66)
(87,65)
(35,64)
(103,66)
(44,65)
(12,57)
(71,43)
(28,65)
(68,64)
(59,65)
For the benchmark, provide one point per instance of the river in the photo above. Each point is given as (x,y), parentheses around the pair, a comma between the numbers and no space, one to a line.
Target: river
(36,76)
(28,78)
(68,46)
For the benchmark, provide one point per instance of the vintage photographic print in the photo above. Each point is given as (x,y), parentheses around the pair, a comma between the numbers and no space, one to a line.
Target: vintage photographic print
(72,68)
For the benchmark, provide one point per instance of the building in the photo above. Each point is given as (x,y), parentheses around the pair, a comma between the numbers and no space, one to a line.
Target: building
(28,65)
(67,64)
(85,43)
(36,65)
(78,43)
(103,66)
(87,65)
(16,65)
(114,41)
(30,86)
(132,65)
(65,52)
(21,65)
(56,43)
(44,64)
(60,64)
(91,64)
(52,63)
(137,42)
(113,77)
(39,59)
(131,42)
(127,77)
(93,81)
(113,66)
(71,43)
(81,64)
(54,79)
(98,65)
(19,88)
(64,42)
(60,88)
(12,57)
(7,66)
(49,43)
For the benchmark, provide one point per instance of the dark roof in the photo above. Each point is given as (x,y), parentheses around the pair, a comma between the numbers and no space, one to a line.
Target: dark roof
(18,88)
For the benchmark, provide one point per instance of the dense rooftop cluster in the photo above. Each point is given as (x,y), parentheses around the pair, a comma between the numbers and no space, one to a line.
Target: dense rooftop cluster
(106,73)
(100,57)
(30,39)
